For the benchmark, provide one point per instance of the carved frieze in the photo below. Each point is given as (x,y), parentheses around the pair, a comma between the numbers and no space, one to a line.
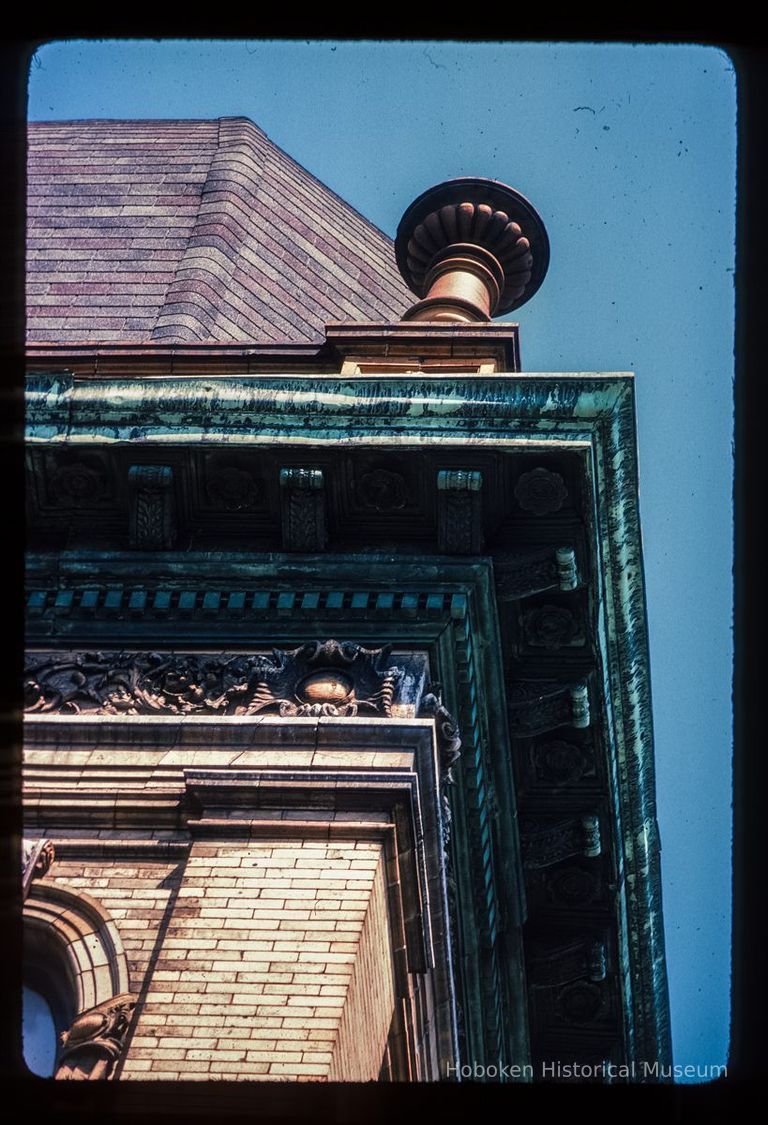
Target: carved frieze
(540,491)
(152,509)
(328,678)
(96,1040)
(302,505)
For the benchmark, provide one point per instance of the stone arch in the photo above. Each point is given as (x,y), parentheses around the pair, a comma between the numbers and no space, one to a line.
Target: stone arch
(83,938)
(74,956)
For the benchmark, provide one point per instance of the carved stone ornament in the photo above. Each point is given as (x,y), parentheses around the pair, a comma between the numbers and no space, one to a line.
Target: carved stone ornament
(459,512)
(382,490)
(36,859)
(302,506)
(448,737)
(78,483)
(544,843)
(580,1002)
(541,492)
(231,488)
(561,763)
(549,626)
(96,1039)
(328,678)
(151,512)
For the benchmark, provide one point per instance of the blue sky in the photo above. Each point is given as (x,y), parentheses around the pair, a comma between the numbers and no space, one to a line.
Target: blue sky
(628,152)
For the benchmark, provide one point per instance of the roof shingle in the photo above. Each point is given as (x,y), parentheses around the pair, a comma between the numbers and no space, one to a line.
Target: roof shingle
(192,231)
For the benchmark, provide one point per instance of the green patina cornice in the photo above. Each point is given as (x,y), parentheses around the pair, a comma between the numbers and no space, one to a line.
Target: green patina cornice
(589,413)
(264,409)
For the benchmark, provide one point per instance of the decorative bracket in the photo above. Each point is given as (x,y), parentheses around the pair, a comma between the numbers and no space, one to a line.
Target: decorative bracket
(546,843)
(583,957)
(36,858)
(519,574)
(538,706)
(580,704)
(151,513)
(566,568)
(303,509)
(459,512)
(96,1039)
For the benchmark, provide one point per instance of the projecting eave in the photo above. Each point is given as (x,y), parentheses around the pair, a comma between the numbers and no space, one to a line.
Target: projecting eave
(258,409)
(588,416)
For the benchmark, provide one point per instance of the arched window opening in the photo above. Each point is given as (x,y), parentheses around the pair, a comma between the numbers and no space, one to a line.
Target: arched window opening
(49,993)
(39,1034)
(77,1007)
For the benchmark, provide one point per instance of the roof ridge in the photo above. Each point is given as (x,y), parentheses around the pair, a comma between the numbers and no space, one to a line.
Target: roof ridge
(217,208)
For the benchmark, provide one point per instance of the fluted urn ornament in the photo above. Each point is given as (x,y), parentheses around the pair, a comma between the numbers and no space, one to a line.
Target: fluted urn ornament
(471,249)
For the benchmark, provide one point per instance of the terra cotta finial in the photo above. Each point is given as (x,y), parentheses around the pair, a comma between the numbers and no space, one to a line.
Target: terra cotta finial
(471,249)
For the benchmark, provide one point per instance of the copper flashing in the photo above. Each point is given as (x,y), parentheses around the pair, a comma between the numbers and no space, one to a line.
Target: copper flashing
(387,344)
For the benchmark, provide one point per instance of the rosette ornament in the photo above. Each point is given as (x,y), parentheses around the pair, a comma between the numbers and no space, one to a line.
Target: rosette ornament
(470,249)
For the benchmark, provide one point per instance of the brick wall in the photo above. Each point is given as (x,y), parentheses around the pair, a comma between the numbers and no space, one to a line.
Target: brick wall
(253,902)
(365,1021)
(136,893)
(266,945)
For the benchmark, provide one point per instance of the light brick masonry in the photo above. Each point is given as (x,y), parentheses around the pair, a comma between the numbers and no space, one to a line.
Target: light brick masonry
(274,914)
(275,964)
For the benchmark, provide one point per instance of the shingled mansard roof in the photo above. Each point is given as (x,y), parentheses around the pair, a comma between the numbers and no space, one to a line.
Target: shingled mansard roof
(186,231)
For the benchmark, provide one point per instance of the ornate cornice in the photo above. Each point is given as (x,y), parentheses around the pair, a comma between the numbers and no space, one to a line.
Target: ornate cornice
(267,409)
(592,415)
